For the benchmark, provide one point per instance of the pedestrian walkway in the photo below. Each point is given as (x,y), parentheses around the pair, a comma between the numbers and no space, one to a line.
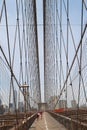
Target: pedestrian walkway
(46,122)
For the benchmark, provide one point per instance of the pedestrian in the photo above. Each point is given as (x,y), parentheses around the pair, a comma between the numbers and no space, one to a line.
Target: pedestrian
(38,114)
(41,114)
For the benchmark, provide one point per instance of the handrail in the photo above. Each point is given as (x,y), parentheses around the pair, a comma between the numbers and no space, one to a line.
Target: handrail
(26,123)
(69,123)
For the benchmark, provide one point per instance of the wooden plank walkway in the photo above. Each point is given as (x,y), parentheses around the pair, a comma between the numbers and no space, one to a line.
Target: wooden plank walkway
(46,123)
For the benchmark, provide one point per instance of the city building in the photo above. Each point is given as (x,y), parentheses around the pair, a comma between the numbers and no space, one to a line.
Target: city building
(2,110)
(15,99)
(0,102)
(6,108)
(62,103)
(11,107)
(20,106)
(53,101)
(73,104)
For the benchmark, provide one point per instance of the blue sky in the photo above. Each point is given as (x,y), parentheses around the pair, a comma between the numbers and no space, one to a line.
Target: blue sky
(11,12)
(40,42)
(75,16)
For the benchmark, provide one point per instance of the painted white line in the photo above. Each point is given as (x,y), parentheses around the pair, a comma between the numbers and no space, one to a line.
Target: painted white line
(45,123)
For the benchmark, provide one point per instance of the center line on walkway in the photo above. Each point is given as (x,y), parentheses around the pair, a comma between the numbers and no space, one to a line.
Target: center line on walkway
(45,123)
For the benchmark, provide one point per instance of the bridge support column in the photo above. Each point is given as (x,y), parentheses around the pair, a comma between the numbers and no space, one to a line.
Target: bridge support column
(42,106)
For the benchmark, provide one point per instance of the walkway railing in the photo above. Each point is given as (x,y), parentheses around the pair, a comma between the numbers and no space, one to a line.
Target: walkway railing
(69,123)
(26,123)
(8,122)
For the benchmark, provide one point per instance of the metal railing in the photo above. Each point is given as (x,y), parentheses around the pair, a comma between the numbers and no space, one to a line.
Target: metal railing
(69,123)
(26,123)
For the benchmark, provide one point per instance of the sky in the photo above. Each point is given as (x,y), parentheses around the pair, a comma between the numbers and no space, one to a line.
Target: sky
(11,6)
(75,16)
(40,42)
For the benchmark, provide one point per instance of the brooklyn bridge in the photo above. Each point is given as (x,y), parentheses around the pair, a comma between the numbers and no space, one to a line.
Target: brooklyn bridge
(43,64)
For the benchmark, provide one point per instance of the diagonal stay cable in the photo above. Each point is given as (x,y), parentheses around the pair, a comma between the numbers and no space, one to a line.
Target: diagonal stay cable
(1,11)
(85,4)
(65,53)
(10,69)
(6,19)
(72,62)
(75,49)
(8,43)
(19,38)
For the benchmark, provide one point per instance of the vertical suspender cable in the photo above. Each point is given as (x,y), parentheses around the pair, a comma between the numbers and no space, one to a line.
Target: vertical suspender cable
(67,46)
(21,66)
(80,66)
(60,40)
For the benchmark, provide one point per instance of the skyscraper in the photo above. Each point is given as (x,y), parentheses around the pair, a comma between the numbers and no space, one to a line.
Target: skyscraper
(73,104)
(15,99)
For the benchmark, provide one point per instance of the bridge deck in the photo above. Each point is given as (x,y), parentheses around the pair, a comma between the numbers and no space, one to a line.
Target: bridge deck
(46,123)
